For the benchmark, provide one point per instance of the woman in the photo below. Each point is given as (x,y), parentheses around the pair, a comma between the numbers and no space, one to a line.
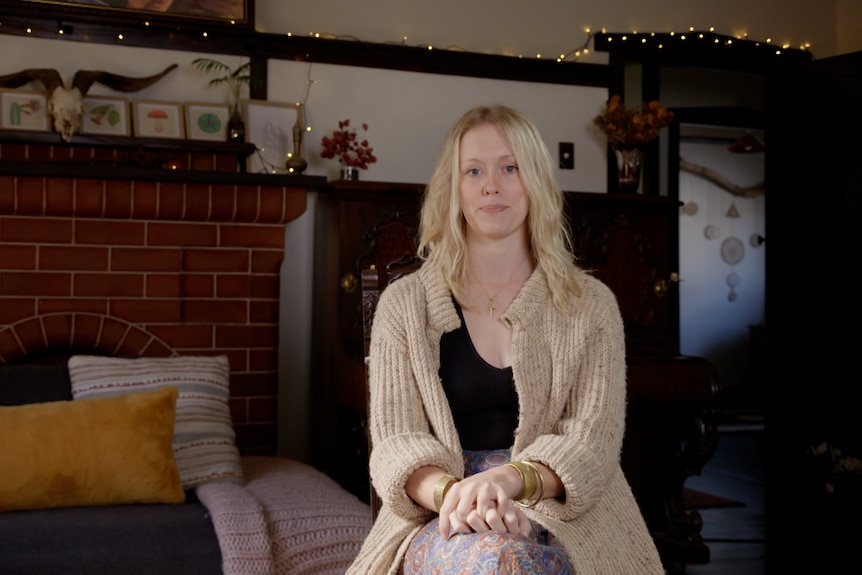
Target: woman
(497,381)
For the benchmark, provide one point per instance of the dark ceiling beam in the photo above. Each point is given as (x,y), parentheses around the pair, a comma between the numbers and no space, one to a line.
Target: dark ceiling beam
(186,34)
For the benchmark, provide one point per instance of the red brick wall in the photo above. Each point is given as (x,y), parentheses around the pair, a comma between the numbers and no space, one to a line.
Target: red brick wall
(149,268)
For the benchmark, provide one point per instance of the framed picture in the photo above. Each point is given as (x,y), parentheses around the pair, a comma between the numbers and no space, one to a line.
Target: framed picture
(269,126)
(106,116)
(230,12)
(206,121)
(157,119)
(24,110)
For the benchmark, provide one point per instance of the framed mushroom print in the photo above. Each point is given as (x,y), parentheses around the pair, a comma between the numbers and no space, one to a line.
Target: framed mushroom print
(158,119)
(206,121)
(24,110)
(106,115)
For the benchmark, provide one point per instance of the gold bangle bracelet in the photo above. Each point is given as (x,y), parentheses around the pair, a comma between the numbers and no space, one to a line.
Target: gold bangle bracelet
(529,480)
(441,488)
(540,491)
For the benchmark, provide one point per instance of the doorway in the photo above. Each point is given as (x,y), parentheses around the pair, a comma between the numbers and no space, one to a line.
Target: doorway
(722,253)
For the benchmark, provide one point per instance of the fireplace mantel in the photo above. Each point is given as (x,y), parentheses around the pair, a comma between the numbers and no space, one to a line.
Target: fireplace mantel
(178,255)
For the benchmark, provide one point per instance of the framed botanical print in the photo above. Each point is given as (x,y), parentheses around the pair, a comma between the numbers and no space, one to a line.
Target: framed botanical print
(206,121)
(106,115)
(24,110)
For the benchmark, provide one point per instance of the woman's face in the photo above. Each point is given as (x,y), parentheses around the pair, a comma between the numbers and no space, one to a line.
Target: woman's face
(493,198)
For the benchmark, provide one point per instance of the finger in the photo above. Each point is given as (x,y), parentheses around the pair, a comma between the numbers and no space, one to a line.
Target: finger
(458,526)
(477,522)
(512,521)
(444,525)
(495,521)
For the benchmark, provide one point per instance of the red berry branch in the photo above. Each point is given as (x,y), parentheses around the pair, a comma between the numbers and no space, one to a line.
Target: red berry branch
(347,148)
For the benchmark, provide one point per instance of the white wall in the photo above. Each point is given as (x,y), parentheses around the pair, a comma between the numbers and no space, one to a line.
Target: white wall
(713,323)
(554,27)
(408,115)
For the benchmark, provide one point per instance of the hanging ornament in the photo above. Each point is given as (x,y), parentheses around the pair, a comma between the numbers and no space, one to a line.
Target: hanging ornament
(732,212)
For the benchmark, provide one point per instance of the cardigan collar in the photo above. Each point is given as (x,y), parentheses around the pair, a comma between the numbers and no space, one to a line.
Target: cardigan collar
(527,306)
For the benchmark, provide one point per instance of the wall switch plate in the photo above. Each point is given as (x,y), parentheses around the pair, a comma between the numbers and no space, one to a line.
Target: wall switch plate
(567,156)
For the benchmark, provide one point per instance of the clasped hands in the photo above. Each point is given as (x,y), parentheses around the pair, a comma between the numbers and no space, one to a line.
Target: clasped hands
(484,502)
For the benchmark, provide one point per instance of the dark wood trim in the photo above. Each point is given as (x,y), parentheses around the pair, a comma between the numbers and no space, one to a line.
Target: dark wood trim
(60,169)
(235,40)
(73,13)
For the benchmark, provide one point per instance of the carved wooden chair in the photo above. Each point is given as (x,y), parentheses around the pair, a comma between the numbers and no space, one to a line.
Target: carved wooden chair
(373,283)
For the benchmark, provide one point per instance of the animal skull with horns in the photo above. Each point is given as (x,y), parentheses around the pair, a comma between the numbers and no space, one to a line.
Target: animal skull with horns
(66,105)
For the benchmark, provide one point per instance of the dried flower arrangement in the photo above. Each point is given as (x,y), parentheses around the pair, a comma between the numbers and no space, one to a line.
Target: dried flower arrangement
(347,148)
(631,126)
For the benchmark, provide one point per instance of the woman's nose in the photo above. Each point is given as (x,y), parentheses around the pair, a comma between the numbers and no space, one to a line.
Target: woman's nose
(490,187)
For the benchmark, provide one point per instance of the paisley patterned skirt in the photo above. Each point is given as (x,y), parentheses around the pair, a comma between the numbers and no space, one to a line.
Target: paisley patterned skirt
(487,553)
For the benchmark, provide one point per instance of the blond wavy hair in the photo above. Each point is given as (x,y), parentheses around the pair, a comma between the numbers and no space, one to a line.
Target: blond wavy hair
(442,239)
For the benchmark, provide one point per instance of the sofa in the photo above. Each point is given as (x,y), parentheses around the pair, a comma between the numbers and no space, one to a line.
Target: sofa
(130,466)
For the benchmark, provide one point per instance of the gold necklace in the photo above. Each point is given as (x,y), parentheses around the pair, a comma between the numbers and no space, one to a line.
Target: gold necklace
(489,303)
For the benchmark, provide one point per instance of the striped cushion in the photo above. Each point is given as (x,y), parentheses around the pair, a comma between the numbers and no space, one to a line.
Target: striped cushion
(204,440)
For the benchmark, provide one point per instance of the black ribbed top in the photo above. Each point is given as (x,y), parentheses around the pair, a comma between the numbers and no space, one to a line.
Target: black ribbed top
(482,397)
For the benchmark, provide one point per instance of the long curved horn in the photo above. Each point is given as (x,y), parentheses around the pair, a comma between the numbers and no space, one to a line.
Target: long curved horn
(85,78)
(49,77)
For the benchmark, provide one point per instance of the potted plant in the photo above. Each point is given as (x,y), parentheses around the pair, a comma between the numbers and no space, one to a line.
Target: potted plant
(235,79)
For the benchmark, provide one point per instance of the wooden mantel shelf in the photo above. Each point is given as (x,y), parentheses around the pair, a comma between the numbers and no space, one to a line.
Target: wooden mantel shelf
(45,154)
(82,170)
(242,149)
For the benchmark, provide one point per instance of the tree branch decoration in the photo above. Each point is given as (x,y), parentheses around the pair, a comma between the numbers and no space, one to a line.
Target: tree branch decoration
(721,181)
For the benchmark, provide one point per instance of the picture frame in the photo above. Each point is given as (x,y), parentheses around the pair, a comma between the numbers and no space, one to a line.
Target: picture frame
(106,116)
(269,126)
(227,12)
(206,121)
(25,110)
(158,119)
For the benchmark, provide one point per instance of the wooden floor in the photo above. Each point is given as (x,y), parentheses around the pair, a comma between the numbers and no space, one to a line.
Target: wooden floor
(735,535)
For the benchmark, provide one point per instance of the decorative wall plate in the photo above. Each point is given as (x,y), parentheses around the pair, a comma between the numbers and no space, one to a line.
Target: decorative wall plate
(689,208)
(733,279)
(711,232)
(732,250)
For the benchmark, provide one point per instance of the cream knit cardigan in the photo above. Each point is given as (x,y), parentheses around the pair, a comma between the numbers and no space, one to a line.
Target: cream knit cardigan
(569,372)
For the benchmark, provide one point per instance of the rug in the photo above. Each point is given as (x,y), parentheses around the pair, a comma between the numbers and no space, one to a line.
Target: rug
(694,499)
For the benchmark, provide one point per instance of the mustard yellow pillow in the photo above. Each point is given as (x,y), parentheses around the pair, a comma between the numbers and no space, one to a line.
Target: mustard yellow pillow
(99,451)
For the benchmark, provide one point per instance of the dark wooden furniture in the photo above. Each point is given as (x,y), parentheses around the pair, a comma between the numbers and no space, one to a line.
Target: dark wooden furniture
(628,240)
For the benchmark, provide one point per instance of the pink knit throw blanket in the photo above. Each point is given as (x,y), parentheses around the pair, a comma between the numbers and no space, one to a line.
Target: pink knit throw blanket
(289,518)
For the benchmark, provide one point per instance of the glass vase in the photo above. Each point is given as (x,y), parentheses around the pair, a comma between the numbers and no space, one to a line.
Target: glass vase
(629,159)
(350,173)
(236,126)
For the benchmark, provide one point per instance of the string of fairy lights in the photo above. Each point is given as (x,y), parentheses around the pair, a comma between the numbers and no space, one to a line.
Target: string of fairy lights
(593,41)
(647,40)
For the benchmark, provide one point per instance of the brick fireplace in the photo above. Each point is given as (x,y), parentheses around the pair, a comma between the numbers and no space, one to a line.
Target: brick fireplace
(148,263)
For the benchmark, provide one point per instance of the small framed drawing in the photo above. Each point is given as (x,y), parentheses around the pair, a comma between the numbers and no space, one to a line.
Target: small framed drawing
(269,126)
(106,115)
(24,110)
(158,119)
(206,121)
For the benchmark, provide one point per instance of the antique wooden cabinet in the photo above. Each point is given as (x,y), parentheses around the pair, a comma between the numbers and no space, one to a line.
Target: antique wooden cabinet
(629,242)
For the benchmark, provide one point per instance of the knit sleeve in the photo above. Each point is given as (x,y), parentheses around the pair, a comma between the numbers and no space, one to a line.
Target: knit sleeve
(401,435)
(585,445)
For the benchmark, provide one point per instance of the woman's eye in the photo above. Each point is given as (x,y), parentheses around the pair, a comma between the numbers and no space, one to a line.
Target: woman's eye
(473,171)
(510,169)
